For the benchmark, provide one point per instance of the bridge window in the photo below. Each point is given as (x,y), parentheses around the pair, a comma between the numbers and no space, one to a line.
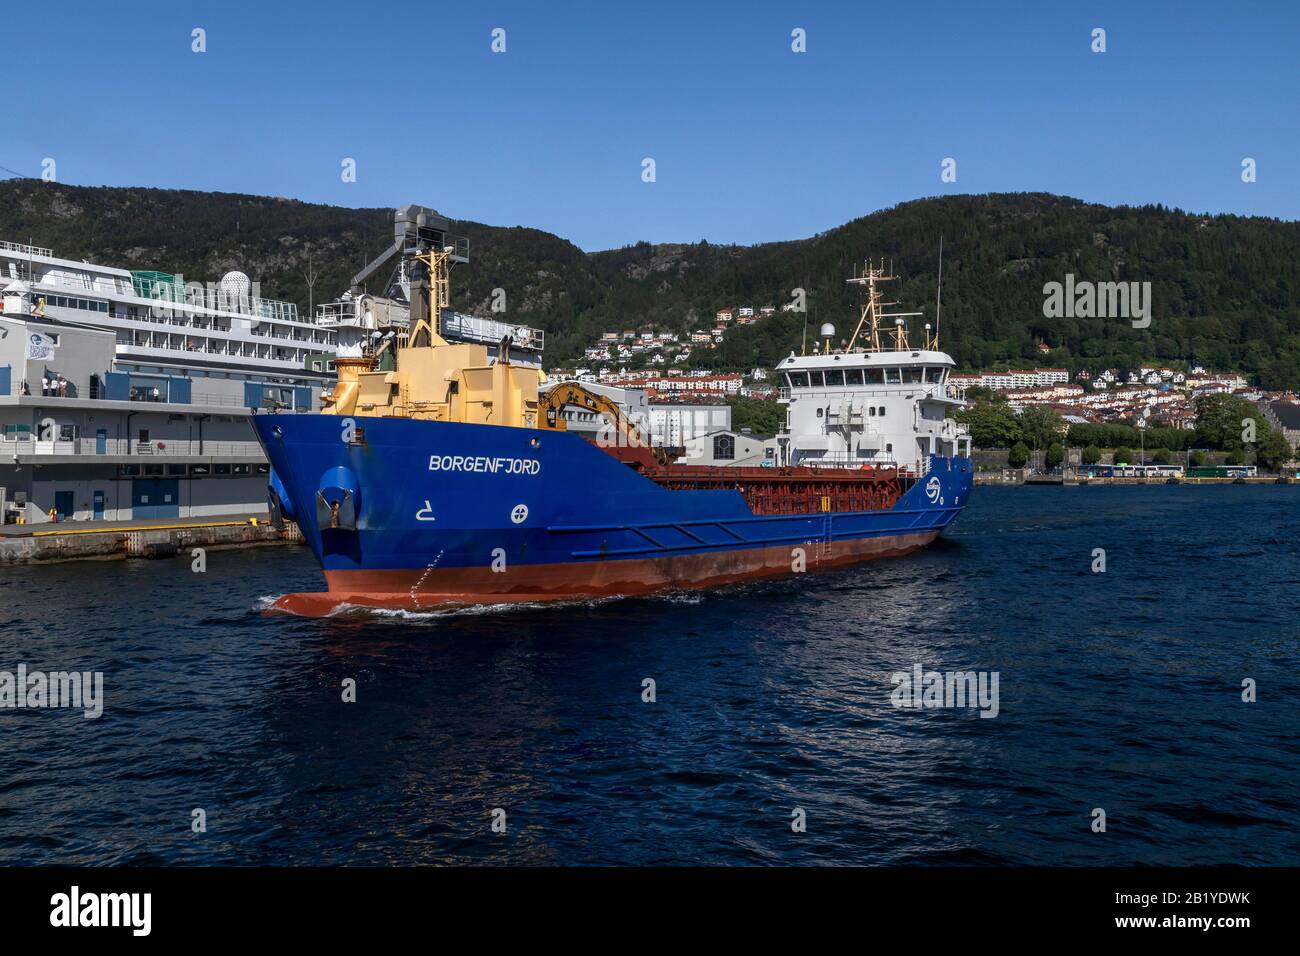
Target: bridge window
(853,376)
(934,375)
(911,375)
(892,376)
(724,447)
(875,376)
(798,379)
(835,377)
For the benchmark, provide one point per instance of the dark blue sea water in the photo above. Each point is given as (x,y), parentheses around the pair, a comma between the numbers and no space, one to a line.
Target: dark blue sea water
(1119,691)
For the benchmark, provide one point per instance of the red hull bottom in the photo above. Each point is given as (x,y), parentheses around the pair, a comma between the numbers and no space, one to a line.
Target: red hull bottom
(433,589)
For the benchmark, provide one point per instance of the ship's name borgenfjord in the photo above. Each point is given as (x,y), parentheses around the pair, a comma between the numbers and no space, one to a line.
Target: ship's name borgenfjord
(483,463)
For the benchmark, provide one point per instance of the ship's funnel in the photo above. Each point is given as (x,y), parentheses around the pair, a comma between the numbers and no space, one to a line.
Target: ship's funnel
(342,398)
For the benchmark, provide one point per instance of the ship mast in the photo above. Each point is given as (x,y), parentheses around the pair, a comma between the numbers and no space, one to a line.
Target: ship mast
(872,314)
(438,262)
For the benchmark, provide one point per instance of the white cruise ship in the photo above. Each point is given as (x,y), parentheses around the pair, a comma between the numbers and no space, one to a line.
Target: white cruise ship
(127,394)
(159,318)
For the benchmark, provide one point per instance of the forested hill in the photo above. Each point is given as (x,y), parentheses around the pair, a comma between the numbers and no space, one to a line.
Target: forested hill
(1225,289)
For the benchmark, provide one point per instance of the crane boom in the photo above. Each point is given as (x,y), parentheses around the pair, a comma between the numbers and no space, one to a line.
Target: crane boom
(556,398)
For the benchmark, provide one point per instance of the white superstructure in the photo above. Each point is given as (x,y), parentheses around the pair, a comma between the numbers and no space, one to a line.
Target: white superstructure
(878,403)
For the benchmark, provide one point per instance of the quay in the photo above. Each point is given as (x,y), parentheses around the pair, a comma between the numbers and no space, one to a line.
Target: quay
(141,538)
(1011,477)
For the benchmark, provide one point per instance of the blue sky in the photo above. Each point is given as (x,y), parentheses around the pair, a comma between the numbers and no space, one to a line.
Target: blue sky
(752,142)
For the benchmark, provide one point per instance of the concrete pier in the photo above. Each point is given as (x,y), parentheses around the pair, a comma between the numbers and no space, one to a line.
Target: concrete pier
(91,540)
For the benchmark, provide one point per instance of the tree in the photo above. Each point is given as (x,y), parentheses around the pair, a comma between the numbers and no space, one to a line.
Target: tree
(991,426)
(1041,427)
(1235,457)
(1162,456)
(1196,459)
(762,417)
(1122,456)
(1274,451)
(1219,421)
(1019,455)
(1054,455)
(1091,455)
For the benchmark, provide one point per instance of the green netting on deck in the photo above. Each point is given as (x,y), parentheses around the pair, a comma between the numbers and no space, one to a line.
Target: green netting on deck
(158,285)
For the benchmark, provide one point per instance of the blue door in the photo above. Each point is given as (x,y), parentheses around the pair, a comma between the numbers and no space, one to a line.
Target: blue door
(101,441)
(155,498)
(98,498)
(63,504)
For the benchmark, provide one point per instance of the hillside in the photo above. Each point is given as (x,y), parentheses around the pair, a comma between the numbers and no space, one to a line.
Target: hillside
(1226,289)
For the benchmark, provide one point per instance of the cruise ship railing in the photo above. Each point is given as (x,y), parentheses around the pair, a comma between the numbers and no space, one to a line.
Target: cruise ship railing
(121,447)
(207,398)
(26,250)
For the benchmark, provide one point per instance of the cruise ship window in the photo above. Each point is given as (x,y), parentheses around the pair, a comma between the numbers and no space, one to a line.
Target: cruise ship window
(853,376)
(892,376)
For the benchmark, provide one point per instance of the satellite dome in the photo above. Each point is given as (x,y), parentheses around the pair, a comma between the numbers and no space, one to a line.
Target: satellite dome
(235,285)
(827,330)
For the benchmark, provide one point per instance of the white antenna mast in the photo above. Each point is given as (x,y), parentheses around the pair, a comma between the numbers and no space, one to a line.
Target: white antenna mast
(938,296)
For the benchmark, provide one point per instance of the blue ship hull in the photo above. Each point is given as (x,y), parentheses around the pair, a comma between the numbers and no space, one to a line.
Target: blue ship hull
(415,514)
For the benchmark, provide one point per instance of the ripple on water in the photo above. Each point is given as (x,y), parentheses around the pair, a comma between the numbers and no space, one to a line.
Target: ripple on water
(1120,690)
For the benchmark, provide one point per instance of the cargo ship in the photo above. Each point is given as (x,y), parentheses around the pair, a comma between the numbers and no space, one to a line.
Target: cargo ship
(440,473)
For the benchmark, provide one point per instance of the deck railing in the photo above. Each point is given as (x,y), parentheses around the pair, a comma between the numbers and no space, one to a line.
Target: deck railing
(153,449)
